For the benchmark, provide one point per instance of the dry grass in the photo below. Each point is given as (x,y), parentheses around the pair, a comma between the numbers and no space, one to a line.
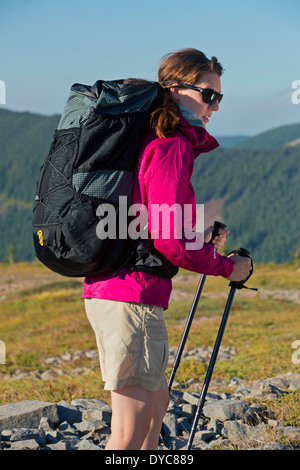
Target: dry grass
(42,315)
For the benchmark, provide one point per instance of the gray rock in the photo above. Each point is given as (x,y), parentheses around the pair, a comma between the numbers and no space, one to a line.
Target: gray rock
(27,414)
(24,434)
(244,391)
(188,410)
(68,412)
(169,427)
(191,398)
(85,444)
(215,425)
(227,409)
(86,426)
(72,441)
(289,433)
(90,404)
(183,426)
(29,444)
(66,429)
(294,385)
(241,434)
(97,415)
(61,445)
(52,437)
(205,435)
(46,425)
(93,409)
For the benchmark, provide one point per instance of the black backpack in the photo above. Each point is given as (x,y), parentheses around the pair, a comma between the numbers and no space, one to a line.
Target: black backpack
(91,161)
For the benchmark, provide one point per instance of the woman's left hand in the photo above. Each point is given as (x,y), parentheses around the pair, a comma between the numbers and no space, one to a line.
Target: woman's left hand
(219,240)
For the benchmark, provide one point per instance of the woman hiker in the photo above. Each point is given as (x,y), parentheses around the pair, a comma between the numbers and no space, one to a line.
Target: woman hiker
(126,310)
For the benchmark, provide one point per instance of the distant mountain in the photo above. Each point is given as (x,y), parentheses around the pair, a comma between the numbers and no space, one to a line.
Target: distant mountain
(256,193)
(274,138)
(25,139)
(230,141)
(252,183)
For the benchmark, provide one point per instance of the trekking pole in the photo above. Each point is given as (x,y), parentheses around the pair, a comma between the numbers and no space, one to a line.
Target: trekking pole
(217,226)
(233,286)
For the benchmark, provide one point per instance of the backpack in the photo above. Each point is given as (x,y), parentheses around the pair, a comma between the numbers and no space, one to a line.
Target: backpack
(91,161)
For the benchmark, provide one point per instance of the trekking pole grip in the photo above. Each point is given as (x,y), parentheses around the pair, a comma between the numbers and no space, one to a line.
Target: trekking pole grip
(241,284)
(217,226)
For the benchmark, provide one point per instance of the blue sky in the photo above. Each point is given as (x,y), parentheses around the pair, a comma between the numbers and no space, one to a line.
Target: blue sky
(47,45)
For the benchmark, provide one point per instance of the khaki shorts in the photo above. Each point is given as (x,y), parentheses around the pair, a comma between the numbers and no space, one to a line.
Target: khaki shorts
(132,340)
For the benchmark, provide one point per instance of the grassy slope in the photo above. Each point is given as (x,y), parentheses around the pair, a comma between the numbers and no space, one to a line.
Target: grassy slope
(42,315)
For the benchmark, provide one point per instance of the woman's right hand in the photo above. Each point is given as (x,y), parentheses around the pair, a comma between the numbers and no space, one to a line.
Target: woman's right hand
(241,268)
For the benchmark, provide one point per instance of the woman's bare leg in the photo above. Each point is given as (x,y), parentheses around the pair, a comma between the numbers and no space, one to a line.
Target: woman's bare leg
(158,413)
(137,416)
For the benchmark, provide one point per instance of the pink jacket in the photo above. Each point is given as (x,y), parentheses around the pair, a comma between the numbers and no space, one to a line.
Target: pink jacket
(163,175)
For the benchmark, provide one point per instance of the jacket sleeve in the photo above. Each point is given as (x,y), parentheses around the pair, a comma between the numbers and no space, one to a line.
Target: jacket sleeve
(166,184)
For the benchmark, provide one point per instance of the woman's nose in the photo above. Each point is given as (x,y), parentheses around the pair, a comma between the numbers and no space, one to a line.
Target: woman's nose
(214,106)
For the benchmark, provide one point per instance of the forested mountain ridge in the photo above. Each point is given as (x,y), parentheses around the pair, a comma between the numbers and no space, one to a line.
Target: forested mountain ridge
(260,193)
(282,136)
(257,179)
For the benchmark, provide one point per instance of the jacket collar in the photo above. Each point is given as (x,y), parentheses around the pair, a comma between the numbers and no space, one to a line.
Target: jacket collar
(198,136)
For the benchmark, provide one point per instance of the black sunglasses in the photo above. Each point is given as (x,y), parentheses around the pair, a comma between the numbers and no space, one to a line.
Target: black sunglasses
(209,96)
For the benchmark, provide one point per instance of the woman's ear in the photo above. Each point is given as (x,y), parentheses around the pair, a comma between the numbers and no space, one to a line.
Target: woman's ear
(174,92)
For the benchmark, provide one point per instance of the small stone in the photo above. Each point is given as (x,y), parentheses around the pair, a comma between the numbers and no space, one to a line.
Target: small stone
(273,423)
(29,444)
(92,354)
(188,410)
(52,437)
(66,429)
(97,415)
(24,434)
(46,425)
(66,357)
(61,445)
(87,426)
(169,427)
(205,435)
(294,385)
(190,398)
(68,412)
(85,444)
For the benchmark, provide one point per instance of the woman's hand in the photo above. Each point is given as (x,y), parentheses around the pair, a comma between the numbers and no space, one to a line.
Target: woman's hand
(241,269)
(219,240)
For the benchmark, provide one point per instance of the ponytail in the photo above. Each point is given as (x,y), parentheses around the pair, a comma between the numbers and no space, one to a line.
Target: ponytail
(164,118)
(164,113)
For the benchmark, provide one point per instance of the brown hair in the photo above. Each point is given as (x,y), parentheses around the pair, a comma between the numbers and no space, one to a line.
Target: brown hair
(186,65)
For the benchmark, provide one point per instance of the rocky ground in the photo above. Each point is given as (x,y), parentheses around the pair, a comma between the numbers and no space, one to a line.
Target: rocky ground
(228,420)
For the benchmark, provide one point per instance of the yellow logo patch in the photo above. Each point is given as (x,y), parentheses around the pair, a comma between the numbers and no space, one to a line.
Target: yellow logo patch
(40,235)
